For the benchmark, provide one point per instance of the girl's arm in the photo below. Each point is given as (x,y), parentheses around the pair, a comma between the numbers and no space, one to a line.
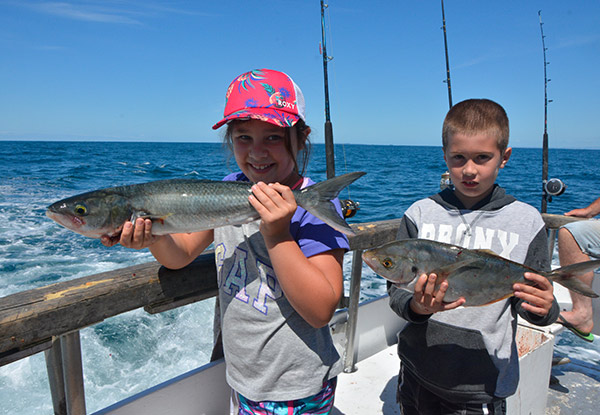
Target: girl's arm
(177,250)
(314,285)
(173,251)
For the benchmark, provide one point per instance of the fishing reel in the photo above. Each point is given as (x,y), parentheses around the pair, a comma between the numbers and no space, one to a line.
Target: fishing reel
(349,208)
(445,181)
(554,187)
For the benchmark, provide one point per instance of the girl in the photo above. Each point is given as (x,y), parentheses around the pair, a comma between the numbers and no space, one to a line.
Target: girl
(280,277)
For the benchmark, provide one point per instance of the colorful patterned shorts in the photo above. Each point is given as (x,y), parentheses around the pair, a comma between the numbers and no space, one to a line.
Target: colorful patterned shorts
(321,403)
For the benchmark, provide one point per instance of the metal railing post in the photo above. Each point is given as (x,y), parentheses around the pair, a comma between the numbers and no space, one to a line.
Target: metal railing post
(73,373)
(55,377)
(551,241)
(356,275)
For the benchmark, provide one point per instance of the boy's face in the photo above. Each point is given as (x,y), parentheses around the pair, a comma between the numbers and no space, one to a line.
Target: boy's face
(474,162)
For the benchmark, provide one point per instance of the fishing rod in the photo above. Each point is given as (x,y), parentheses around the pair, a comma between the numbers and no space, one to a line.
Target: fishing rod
(328,126)
(552,187)
(445,180)
(447,59)
(349,207)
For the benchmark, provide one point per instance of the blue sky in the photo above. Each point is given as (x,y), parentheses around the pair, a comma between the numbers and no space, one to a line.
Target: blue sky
(157,70)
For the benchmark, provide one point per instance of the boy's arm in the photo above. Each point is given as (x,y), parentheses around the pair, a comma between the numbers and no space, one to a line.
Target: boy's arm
(400,303)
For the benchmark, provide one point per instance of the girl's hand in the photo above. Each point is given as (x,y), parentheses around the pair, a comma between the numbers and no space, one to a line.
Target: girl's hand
(537,298)
(137,237)
(276,205)
(428,300)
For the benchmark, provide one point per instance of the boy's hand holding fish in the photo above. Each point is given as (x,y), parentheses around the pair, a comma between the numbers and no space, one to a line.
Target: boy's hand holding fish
(428,300)
(537,298)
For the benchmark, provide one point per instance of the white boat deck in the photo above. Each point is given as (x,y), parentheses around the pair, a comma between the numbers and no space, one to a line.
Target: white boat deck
(574,388)
(371,389)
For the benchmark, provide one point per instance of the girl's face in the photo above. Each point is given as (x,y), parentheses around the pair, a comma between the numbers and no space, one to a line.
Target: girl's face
(474,162)
(260,152)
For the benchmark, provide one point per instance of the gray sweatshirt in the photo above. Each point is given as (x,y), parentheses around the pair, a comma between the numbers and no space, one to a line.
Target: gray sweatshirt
(469,354)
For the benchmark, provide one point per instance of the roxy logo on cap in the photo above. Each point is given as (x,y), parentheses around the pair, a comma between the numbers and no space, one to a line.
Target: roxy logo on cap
(265,95)
(284,104)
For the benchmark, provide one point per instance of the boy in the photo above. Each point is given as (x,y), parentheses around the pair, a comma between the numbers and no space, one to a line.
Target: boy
(464,360)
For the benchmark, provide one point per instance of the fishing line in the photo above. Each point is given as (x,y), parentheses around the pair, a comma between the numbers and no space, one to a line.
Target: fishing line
(349,207)
(330,40)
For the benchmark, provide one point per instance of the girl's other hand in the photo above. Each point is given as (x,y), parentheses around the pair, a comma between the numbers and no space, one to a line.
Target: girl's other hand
(275,203)
(135,237)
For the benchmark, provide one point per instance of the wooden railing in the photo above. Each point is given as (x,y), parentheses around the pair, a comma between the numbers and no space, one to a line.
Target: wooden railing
(49,318)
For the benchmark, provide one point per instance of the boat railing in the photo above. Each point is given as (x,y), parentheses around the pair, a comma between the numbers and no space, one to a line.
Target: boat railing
(49,318)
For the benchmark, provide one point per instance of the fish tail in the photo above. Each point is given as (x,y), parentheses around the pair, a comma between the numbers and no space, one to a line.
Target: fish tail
(565,276)
(317,199)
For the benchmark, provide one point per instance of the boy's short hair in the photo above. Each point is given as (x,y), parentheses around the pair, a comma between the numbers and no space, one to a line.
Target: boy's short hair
(474,116)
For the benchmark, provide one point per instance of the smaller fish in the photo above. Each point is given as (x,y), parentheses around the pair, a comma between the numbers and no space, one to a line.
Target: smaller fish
(480,276)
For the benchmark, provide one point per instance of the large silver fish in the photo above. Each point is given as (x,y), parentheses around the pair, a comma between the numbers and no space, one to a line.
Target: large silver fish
(181,205)
(480,276)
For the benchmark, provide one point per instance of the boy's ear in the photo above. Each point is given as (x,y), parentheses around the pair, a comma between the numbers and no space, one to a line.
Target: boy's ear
(505,157)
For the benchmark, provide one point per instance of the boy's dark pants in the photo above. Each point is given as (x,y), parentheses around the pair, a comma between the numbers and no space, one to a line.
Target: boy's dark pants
(414,399)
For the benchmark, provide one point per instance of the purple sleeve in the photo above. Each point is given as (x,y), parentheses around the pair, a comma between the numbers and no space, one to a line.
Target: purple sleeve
(313,235)
(235,177)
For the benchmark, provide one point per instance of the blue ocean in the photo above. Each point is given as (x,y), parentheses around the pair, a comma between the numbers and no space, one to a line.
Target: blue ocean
(131,352)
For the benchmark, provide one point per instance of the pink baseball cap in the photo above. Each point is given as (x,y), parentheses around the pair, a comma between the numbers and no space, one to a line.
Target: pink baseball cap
(265,95)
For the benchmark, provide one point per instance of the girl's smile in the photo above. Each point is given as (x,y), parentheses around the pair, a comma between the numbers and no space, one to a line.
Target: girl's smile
(261,152)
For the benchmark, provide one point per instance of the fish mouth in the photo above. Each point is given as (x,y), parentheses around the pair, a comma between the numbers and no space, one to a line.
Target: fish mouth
(66,220)
(368,258)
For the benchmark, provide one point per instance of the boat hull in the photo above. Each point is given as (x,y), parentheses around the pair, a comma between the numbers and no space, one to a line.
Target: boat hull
(369,387)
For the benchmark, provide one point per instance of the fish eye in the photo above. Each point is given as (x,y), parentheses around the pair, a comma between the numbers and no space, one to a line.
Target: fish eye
(414,269)
(387,263)
(81,210)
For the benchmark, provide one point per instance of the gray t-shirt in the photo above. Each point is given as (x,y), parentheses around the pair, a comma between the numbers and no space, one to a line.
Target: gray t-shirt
(271,352)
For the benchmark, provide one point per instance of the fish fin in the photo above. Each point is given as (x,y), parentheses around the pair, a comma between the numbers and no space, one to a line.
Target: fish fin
(499,299)
(565,276)
(138,214)
(317,199)
(455,266)
(153,218)
(487,251)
